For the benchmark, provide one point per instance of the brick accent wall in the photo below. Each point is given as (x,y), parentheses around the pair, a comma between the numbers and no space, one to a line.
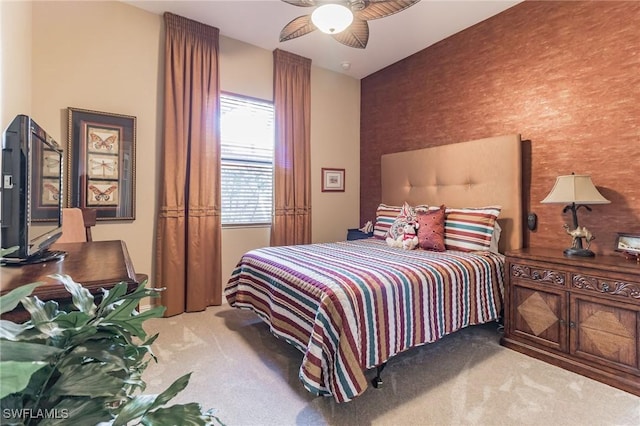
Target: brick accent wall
(565,75)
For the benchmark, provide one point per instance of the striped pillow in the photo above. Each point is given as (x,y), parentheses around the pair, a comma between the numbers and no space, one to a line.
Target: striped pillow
(470,229)
(385,216)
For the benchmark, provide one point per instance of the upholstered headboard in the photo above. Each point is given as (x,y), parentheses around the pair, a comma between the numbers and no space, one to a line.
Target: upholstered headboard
(478,173)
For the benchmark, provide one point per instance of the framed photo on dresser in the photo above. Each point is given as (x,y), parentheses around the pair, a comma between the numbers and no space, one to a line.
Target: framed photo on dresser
(628,242)
(629,245)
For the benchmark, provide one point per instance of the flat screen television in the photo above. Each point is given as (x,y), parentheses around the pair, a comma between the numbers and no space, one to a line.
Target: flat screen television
(32,193)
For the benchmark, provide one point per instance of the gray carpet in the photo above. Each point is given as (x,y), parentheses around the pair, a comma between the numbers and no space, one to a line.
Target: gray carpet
(467,378)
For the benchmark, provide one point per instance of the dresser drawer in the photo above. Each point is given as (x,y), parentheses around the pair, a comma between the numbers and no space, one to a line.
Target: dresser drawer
(538,275)
(621,289)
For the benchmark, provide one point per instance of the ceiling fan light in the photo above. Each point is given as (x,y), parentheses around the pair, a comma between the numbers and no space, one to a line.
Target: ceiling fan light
(332,18)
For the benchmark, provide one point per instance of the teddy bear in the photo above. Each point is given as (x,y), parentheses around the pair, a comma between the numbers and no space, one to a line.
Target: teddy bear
(407,240)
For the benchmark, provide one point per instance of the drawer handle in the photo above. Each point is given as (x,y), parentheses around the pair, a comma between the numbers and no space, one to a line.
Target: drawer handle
(571,323)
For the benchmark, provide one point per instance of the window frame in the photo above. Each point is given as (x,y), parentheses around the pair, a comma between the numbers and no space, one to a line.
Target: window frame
(241,97)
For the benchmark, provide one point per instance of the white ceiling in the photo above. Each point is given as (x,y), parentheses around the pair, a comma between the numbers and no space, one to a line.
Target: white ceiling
(258,22)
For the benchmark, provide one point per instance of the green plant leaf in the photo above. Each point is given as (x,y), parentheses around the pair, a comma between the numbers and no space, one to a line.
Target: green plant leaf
(146,347)
(142,292)
(99,351)
(37,384)
(133,323)
(134,409)
(113,295)
(86,411)
(15,375)
(9,301)
(175,388)
(79,336)
(122,310)
(211,414)
(23,351)
(42,314)
(73,319)
(186,414)
(80,296)
(91,380)
(143,403)
(9,330)
(5,251)
(130,327)
(11,408)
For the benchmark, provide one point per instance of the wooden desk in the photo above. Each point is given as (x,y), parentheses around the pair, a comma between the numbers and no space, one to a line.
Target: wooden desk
(95,265)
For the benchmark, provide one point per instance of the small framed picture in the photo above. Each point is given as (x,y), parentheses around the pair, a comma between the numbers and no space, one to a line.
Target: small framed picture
(332,180)
(628,243)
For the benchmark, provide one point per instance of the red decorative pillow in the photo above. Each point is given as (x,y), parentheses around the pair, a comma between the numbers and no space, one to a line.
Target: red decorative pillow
(431,229)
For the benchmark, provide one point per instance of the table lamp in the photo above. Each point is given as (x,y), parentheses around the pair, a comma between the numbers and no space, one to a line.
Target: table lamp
(576,191)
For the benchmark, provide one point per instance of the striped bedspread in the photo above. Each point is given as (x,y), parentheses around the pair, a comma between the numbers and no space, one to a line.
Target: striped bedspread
(350,306)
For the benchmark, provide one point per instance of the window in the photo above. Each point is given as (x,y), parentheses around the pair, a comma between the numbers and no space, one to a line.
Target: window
(247,139)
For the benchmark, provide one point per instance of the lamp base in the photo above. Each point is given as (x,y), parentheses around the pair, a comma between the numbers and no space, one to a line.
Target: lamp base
(574,252)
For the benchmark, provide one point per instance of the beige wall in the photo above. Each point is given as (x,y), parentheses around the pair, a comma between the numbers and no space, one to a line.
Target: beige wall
(76,63)
(15,64)
(335,143)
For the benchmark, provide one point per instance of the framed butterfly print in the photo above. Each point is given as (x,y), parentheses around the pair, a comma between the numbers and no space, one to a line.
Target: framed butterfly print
(101,163)
(46,182)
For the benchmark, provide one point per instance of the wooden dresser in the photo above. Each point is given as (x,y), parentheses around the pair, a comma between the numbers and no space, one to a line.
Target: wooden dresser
(582,314)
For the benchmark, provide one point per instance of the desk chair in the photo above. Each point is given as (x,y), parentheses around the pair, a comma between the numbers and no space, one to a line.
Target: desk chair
(76,228)
(76,225)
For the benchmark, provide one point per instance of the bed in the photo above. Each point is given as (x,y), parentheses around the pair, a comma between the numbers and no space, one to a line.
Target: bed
(351,306)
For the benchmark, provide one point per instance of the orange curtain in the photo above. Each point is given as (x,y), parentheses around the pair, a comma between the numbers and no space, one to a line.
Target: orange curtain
(292,177)
(189,230)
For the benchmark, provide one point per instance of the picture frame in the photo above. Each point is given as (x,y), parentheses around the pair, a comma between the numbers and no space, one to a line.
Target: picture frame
(101,163)
(46,191)
(333,179)
(628,243)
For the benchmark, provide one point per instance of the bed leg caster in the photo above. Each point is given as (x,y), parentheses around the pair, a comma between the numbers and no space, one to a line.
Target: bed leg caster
(377,381)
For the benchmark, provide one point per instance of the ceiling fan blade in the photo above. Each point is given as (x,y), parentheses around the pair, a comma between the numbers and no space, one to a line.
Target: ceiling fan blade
(356,35)
(298,27)
(301,3)
(380,9)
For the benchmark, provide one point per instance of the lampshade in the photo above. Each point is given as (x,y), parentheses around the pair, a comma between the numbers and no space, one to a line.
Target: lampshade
(332,18)
(576,189)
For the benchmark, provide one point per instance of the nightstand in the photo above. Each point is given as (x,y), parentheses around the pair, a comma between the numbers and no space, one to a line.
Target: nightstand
(356,234)
(581,314)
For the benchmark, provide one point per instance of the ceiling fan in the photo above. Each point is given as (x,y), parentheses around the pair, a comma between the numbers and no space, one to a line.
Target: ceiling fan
(352,30)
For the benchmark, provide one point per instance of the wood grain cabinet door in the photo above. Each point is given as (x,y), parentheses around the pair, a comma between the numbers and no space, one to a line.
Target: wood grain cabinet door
(539,314)
(605,332)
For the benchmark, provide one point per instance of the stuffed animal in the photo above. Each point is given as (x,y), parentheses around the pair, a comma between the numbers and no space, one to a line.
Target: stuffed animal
(407,240)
